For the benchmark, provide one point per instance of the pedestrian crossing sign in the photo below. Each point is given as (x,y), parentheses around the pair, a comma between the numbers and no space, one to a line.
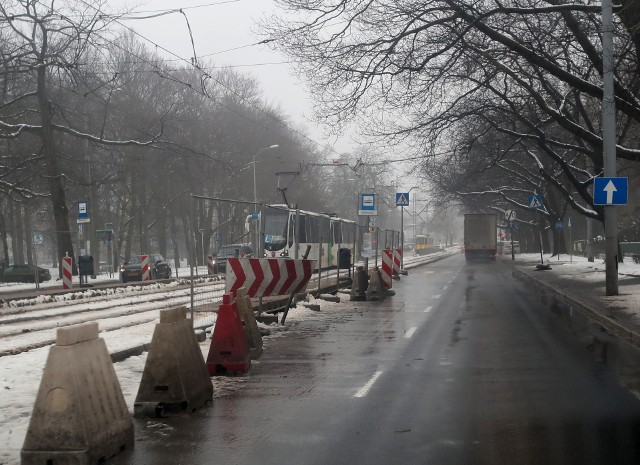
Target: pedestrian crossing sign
(535,201)
(402,199)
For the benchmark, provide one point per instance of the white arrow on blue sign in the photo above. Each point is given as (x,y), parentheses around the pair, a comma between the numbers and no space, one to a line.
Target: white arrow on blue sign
(610,191)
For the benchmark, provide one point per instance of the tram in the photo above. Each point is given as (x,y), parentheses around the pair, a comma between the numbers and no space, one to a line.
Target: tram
(424,245)
(285,228)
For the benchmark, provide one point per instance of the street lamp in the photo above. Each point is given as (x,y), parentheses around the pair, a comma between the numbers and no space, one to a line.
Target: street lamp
(255,194)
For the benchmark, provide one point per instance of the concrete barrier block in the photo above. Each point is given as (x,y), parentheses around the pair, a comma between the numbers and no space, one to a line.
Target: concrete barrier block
(375,290)
(359,285)
(80,415)
(250,324)
(175,377)
(171,315)
(71,335)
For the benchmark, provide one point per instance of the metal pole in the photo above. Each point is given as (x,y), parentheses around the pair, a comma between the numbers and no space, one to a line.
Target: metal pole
(402,238)
(193,255)
(609,145)
(540,239)
(296,244)
(377,239)
(255,202)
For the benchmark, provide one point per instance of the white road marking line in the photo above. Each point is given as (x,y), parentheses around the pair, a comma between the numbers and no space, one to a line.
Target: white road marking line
(437,296)
(428,309)
(450,282)
(410,332)
(364,390)
(444,287)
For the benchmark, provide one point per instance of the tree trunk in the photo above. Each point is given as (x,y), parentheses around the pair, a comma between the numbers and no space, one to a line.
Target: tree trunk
(56,188)
(19,257)
(28,234)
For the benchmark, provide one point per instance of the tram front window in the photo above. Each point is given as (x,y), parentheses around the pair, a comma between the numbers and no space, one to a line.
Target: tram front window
(275,229)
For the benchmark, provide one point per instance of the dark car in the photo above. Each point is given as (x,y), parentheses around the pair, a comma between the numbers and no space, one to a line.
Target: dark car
(25,274)
(230,251)
(158,268)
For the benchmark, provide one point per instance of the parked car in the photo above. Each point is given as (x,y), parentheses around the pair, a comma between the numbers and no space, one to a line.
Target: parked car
(159,268)
(25,274)
(230,251)
(507,248)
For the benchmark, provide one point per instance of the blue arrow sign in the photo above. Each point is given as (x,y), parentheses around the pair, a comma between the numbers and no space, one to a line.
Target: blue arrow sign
(558,225)
(402,199)
(610,191)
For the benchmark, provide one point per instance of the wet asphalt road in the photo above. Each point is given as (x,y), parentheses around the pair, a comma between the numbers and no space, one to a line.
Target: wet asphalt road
(462,366)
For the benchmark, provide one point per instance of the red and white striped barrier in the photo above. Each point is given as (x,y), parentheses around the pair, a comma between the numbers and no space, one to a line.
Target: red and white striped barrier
(387,268)
(146,275)
(265,277)
(67,276)
(397,260)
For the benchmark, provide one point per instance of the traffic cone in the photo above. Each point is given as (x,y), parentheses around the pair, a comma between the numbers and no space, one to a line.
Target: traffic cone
(229,350)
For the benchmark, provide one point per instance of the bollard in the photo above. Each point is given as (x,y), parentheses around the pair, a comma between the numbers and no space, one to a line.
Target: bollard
(359,285)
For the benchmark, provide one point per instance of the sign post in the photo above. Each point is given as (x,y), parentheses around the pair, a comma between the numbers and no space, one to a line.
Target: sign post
(368,208)
(535,202)
(402,200)
(570,241)
(558,226)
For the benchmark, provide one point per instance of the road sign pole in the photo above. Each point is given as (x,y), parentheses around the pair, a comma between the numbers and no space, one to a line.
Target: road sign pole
(402,238)
(609,146)
(540,239)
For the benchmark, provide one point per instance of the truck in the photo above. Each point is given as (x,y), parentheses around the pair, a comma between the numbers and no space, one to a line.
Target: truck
(480,236)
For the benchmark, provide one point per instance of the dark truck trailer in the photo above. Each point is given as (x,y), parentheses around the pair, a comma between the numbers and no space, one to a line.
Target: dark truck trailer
(480,236)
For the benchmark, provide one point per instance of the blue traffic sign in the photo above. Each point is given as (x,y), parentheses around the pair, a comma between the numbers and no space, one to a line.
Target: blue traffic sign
(368,205)
(558,225)
(535,201)
(83,211)
(402,199)
(610,191)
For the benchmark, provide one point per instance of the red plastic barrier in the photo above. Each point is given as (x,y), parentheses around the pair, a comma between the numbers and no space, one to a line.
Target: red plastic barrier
(229,350)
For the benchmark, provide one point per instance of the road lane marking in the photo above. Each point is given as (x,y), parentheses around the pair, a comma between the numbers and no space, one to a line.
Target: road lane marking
(444,287)
(410,332)
(428,309)
(364,390)
(436,296)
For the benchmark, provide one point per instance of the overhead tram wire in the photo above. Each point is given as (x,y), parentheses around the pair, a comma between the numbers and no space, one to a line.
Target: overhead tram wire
(208,76)
(164,74)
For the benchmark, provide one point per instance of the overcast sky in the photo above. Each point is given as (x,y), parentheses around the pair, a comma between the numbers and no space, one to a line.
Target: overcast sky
(221,25)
